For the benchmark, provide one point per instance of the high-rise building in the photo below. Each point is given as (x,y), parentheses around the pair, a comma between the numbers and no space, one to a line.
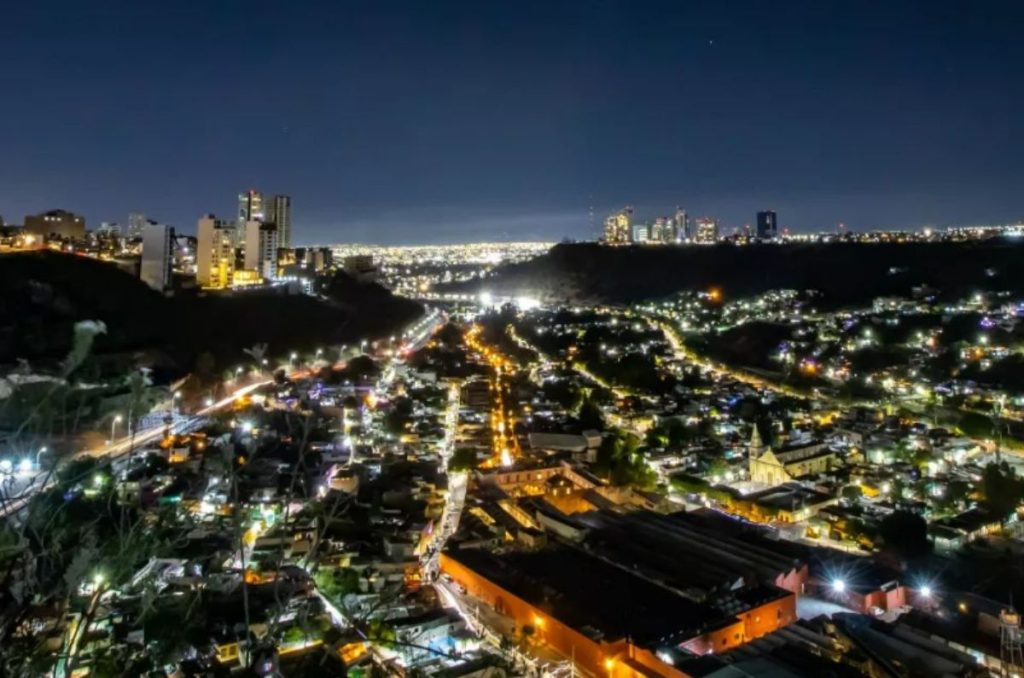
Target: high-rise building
(641,233)
(361,267)
(278,211)
(157,255)
(659,230)
(618,227)
(215,251)
(261,248)
(767,227)
(682,225)
(57,224)
(250,207)
(136,224)
(318,259)
(706,230)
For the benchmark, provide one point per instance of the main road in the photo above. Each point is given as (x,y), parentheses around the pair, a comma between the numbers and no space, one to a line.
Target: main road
(42,480)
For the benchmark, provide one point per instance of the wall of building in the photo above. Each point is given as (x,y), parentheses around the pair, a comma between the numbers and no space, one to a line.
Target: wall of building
(794,581)
(600,658)
(594,657)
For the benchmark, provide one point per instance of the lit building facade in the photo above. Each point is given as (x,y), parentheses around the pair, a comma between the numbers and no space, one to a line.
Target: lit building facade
(278,211)
(681,223)
(136,223)
(56,224)
(706,230)
(250,207)
(587,621)
(781,466)
(641,233)
(261,248)
(215,252)
(618,227)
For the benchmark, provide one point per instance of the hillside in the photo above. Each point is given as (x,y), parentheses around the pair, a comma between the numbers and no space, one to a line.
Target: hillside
(846,273)
(43,294)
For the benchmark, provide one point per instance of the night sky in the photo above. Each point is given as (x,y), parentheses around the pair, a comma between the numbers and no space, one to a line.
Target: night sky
(428,121)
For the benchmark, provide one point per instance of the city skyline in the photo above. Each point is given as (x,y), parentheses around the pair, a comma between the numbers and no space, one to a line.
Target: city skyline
(400,123)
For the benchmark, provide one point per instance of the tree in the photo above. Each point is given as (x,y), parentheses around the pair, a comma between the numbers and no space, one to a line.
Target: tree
(1002,488)
(205,370)
(656,437)
(852,492)
(336,583)
(678,433)
(618,460)
(717,468)
(398,416)
(956,493)
(590,415)
(905,534)
(462,460)
(258,352)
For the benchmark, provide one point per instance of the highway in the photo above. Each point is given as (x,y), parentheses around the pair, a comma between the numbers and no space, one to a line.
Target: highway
(42,479)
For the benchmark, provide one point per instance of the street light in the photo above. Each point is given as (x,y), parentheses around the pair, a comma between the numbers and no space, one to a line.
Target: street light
(113,423)
(39,453)
(838,585)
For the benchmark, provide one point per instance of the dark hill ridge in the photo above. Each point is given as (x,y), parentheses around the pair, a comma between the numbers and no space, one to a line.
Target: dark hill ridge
(43,294)
(846,273)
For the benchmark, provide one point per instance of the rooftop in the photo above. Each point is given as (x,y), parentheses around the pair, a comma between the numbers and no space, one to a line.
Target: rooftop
(594,597)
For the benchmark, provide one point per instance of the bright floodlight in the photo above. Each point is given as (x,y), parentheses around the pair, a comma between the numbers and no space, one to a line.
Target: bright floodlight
(527,303)
(838,585)
(486,299)
(925,591)
(25,465)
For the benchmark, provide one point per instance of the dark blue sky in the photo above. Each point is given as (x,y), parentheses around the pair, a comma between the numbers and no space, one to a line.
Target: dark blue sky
(428,121)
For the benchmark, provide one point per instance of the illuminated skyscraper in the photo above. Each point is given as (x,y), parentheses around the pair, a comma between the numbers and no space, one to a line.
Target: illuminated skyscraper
(215,251)
(618,227)
(136,224)
(250,207)
(706,231)
(659,232)
(641,233)
(279,212)
(261,248)
(682,225)
(767,226)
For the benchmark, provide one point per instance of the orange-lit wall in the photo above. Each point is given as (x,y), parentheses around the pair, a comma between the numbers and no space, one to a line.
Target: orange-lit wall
(596,657)
(890,599)
(884,600)
(794,580)
(602,658)
(753,623)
